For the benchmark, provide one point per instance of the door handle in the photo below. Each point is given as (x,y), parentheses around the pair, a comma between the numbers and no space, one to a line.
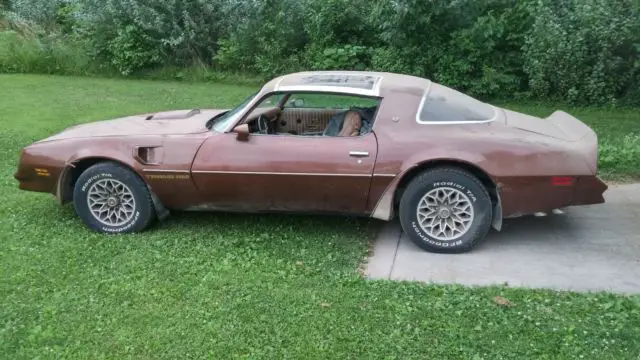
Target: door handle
(359,153)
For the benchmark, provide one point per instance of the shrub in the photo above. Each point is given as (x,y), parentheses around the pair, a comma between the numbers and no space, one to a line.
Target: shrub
(233,55)
(178,32)
(346,57)
(585,51)
(270,41)
(404,60)
(621,155)
(470,45)
(131,50)
(46,55)
(42,12)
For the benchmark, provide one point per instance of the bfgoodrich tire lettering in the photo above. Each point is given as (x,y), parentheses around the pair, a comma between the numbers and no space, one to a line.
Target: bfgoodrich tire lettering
(110,198)
(439,196)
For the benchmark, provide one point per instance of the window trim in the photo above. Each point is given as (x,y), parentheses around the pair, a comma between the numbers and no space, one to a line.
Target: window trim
(454,122)
(291,94)
(253,104)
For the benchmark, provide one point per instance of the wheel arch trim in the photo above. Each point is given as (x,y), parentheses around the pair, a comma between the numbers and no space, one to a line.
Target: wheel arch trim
(385,207)
(64,189)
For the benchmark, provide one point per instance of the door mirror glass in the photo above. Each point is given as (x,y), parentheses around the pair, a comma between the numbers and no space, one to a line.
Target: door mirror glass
(242,132)
(298,103)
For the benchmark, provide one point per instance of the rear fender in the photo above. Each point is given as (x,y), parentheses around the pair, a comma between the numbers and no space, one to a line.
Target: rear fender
(384,208)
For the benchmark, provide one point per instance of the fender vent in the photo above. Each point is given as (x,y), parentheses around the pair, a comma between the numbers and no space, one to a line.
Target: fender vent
(148,154)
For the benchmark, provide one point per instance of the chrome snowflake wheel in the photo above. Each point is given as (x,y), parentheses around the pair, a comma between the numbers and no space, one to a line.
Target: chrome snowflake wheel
(445,213)
(111,202)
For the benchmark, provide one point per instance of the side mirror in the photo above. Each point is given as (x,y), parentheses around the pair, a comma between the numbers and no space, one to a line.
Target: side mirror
(242,132)
(298,103)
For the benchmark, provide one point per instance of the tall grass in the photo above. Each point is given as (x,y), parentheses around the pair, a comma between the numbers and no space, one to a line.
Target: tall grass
(42,55)
(620,155)
(26,48)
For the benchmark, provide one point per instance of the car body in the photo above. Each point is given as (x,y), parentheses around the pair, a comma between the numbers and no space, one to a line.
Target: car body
(273,153)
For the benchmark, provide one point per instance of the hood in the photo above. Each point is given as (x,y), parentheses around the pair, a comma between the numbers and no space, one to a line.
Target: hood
(178,122)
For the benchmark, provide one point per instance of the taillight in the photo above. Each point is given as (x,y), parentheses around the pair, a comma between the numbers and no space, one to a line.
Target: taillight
(563,181)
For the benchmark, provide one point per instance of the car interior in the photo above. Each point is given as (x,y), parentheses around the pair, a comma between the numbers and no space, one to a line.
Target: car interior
(313,114)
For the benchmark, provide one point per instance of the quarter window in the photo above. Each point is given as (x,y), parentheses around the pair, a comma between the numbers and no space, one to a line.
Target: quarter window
(444,104)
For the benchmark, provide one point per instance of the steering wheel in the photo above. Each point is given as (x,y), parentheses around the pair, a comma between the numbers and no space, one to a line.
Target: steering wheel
(263,124)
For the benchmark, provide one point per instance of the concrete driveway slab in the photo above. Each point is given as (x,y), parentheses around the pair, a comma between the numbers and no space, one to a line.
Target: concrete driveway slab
(590,248)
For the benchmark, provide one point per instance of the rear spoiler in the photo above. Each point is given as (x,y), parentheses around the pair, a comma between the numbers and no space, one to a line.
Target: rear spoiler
(579,134)
(572,128)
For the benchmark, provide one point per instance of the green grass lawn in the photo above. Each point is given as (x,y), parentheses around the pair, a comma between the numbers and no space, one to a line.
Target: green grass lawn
(235,286)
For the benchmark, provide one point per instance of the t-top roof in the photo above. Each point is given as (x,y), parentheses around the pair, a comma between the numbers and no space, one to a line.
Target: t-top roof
(368,82)
(354,82)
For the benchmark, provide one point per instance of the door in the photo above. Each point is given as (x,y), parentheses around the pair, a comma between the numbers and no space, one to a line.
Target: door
(285,173)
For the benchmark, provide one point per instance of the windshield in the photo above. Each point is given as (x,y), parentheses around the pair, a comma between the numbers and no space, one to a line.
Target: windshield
(231,116)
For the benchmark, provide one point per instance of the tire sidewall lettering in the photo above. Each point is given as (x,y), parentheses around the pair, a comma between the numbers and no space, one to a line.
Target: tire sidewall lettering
(455,185)
(125,227)
(93,179)
(443,244)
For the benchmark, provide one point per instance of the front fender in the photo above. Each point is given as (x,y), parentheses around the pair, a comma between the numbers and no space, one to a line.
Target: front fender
(86,156)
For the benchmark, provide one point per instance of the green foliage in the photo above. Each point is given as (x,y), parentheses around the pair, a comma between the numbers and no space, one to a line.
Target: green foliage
(45,55)
(268,41)
(199,73)
(583,51)
(42,12)
(131,50)
(484,58)
(232,54)
(12,22)
(175,31)
(403,60)
(65,17)
(470,45)
(621,155)
(347,57)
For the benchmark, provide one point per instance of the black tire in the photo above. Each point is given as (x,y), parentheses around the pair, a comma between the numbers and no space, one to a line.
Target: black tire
(446,178)
(143,213)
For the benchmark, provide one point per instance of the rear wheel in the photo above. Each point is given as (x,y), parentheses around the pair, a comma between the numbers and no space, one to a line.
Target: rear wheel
(446,210)
(110,198)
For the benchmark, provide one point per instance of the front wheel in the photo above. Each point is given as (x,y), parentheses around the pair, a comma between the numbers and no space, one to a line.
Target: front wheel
(110,198)
(446,210)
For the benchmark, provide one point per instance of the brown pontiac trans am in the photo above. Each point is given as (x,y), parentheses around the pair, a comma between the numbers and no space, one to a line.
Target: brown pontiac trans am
(381,145)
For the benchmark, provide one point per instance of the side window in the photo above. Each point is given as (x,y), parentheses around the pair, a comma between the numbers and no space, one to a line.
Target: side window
(313,114)
(444,104)
(272,100)
(328,114)
(329,101)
